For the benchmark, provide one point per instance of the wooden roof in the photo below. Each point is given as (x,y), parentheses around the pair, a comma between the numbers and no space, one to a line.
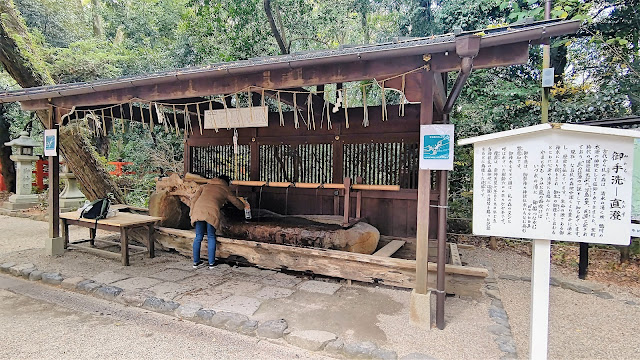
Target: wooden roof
(498,47)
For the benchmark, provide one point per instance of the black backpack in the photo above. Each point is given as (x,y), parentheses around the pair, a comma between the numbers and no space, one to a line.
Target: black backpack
(98,209)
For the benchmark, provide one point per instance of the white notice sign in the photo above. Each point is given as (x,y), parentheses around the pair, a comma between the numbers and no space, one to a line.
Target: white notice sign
(555,185)
(235,118)
(436,147)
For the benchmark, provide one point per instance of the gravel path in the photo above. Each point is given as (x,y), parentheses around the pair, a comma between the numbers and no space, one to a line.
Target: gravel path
(581,326)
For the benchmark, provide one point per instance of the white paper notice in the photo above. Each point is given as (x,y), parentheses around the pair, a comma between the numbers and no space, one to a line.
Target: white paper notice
(558,186)
(436,147)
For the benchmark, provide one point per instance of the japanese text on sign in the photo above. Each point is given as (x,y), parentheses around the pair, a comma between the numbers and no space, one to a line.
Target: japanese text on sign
(565,187)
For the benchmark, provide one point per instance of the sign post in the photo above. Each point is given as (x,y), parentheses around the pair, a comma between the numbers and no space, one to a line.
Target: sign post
(552,182)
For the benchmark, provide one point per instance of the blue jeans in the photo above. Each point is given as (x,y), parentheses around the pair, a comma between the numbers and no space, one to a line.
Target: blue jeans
(201,226)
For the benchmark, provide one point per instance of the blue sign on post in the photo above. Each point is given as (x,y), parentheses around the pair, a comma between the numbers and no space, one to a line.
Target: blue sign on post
(51,142)
(436,147)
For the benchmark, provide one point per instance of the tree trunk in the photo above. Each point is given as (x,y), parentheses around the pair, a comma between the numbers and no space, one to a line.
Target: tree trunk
(22,61)
(98,29)
(8,168)
(274,28)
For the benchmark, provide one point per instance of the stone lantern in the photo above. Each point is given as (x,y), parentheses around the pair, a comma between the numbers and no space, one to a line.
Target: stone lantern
(24,159)
(71,197)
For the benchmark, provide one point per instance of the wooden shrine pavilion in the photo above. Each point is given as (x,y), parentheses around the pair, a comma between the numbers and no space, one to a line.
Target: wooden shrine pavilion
(314,141)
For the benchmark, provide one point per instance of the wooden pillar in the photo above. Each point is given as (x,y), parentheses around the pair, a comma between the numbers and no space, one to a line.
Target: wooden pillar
(54,181)
(254,172)
(424,190)
(347,200)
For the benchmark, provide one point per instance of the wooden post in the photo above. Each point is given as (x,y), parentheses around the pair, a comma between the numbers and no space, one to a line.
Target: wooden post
(124,246)
(424,191)
(583,263)
(540,271)
(358,199)
(254,171)
(347,199)
(54,182)
(337,158)
(151,240)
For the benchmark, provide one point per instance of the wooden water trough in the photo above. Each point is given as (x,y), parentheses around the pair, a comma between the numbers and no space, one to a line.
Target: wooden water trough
(376,268)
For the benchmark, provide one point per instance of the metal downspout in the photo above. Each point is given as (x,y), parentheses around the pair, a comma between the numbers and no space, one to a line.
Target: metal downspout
(465,71)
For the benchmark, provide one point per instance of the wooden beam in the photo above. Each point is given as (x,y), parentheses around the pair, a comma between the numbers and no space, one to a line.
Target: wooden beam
(54,179)
(424,191)
(390,248)
(228,83)
(461,280)
(439,92)
(489,57)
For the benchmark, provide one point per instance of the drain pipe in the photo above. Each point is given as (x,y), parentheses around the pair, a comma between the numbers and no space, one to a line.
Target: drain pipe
(467,48)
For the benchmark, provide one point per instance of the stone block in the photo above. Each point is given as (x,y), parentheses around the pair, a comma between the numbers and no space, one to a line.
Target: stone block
(581,286)
(253,271)
(506,344)
(156,304)
(248,327)
(493,294)
(272,329)
(88,286)
(420,309)
(6,266)
(136,283)
(71,283)
(35,275)
(109,277)
(495,312)
(170,290)
(188,310)
(384,354)
(52,278)
(271,292)
(334,347)
(26,272)
(320,287)
(203,316)
(16,270)
(281,280)
(359,350)
(108,292)
(54,246)
(239,304)
(313,340)
(603,295)
(228,320)
(173,275)
(134,298)
(499,330)
(239,287)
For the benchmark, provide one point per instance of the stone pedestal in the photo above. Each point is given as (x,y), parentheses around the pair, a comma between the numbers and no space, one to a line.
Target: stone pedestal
(71,198)
(420,309)
(23,198)
(54,246)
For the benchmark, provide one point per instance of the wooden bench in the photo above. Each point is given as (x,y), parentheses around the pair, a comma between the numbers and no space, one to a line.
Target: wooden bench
(120,223)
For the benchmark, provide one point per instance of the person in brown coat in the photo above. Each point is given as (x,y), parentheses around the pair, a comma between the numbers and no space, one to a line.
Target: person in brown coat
(205,214)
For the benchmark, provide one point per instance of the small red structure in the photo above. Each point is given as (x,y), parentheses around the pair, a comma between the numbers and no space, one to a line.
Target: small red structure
(41,172)
(3,187)
(118,171)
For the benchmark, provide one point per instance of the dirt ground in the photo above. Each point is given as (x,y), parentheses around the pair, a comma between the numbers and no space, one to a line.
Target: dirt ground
(604,264)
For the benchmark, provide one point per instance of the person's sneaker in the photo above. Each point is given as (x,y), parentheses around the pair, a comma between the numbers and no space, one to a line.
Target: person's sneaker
(211,266)
(198,264)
